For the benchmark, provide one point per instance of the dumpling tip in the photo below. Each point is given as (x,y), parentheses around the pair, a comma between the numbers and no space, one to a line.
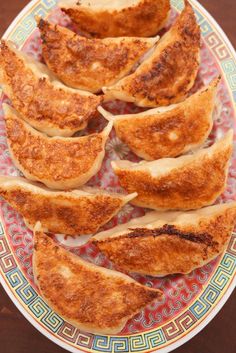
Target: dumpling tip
(113,165)
(39,20)
(228,136)
(130,197)
(108,129)
(38,227)
(107,115)
(106,91)
(7,109)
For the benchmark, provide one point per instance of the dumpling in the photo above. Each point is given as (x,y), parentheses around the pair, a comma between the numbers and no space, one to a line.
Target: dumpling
(168,131)
(90,64)
(168,74)
(44,102)
(90,297)
(186,182)
(175,242)
(75,212)
(118,18)
(58,162)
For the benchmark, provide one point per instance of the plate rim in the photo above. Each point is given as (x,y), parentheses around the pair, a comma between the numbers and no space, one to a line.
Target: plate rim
(215,309)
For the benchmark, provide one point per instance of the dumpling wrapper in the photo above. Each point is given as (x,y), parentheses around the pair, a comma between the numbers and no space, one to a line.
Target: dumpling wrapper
(168,131)
(161,244)
(90,64)
(58,162)
(76,212)
(44,102)
(168,74)
(186,182)
(92,298)
(118,18)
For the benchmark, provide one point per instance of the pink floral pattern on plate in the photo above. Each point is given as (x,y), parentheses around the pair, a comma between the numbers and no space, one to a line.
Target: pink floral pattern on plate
(179,290)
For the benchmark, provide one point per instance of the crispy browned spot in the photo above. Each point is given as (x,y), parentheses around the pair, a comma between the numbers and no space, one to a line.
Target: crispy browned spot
(38,100)
(84,294)
(173,71)
(192,186)
(52,159)
(167,230)
(150,136)
(164,254)
(62,214)
(88,63)
(143,20)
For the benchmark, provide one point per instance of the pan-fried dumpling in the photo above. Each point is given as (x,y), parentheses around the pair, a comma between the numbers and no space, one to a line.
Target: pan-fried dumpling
(186,182)
(58,162)
(168,74)
(161,244)
(44,102)
(118,18)
(75,212)
(90,297)
(86,63)
(167,131)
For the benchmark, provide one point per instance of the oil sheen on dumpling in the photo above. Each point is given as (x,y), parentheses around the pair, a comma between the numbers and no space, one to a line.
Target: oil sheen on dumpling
(86,63)
(168,131)
(90,297)
(186,182)
(118,18)
(44,102)
(74,212)
(58,162)
(168,74)
(161,244)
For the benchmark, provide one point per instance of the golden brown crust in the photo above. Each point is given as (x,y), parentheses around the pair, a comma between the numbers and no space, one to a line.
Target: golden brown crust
(89,64)
(144,19)
(47,106)
(169,73)
(192,185)
(175,248)
(92,298)
(61,163)
(153,134)
(61,212)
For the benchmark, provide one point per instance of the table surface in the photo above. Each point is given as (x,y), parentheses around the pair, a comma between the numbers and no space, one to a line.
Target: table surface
(17,334)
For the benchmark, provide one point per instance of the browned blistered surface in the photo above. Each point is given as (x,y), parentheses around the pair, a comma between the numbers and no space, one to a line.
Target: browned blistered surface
(66,214)
(39,100)
(172,248)
(13,324)
(46,158)
(167,76)
(143,20)
(86,63)
(191,186)
(84,294)
(151,136)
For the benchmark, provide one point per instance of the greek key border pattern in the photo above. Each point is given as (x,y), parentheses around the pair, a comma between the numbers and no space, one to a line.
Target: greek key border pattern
(27,24)
(215,43)
(143,342)
(156,338)
(212,38)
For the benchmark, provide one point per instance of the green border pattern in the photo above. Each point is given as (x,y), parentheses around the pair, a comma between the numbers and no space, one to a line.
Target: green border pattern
(142,342)
(173,330)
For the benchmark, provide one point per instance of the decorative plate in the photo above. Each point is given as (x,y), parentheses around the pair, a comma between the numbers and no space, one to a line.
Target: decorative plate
(190,301)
